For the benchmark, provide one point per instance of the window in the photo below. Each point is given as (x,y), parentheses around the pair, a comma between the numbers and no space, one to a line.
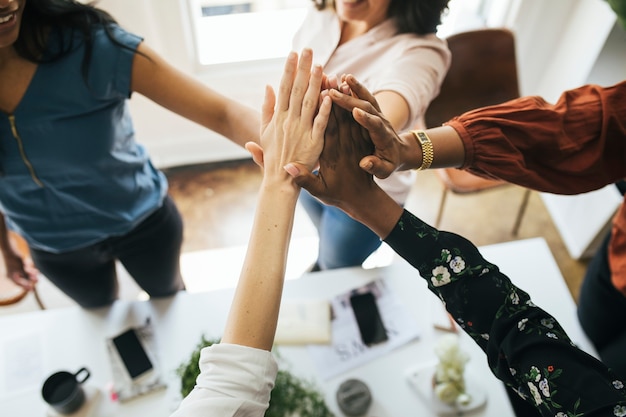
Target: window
(228,31)
(463,15)
(235,31)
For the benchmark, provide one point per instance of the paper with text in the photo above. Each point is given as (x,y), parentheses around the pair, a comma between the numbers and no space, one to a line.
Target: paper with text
(347,351)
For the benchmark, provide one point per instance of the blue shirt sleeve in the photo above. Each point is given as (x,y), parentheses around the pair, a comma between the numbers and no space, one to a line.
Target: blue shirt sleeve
(111,64)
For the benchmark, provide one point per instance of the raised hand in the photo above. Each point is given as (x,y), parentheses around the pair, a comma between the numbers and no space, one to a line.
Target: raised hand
(292,130)
(390,149)
(292,126)
(339,181)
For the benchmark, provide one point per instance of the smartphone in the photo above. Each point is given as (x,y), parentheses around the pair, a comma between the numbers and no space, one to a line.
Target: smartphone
(133,355)
(368,318)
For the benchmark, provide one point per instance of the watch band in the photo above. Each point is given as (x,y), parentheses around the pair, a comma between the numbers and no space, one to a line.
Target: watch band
(427,149)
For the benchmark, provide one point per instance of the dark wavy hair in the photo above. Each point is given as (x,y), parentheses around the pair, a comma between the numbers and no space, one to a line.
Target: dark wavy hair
(50,18)
(412,16)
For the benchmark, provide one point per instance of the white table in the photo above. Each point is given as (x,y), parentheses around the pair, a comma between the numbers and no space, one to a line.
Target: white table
(71,338)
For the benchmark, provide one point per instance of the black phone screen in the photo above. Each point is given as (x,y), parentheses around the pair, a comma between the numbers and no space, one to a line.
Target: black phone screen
(132,352)
(368,318)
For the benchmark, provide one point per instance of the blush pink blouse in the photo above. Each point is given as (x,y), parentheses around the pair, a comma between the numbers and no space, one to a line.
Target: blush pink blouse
(410,65)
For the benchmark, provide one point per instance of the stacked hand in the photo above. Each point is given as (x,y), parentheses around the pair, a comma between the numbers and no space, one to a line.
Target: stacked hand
(339,181)
(347,143)
(389,148)
(292,128)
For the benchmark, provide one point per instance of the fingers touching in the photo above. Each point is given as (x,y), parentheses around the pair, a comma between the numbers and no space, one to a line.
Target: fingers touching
(256,151)
(286,82)
(267,109)
(388,146)
(305,81)
(293,123)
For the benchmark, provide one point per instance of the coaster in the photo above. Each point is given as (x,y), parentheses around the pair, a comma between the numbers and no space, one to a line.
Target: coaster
(93,398)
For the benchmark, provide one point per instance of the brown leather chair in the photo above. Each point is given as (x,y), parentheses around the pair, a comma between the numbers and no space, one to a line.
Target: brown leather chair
(483,72)
(11,293)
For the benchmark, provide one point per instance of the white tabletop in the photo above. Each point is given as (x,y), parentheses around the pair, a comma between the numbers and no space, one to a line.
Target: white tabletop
(33,345)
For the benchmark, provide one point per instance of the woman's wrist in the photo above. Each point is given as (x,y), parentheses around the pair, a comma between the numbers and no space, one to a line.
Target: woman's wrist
(280,184)
(426,145)
(442,144)
(377,210)
(448,148)
(411,152)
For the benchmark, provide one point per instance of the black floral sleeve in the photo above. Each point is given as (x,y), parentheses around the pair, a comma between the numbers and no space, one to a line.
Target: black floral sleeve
(526,347)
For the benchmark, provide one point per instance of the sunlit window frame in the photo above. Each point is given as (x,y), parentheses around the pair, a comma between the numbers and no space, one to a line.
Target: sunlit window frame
(244,41)
(271,46)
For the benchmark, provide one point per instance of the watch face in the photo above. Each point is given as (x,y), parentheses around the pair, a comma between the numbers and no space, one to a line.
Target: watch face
(422,136)
(427,149)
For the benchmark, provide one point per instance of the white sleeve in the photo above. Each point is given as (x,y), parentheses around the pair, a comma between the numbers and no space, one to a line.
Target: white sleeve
(234,380)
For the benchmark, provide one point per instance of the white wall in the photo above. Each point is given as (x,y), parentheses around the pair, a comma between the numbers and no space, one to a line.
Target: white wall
(559,44)
(170,139)
(563,44)
(610,67)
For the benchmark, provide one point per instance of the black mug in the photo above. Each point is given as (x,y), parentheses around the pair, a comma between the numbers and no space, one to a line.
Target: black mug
(63,390)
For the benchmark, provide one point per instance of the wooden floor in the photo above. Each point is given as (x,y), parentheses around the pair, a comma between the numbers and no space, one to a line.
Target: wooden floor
(217,203)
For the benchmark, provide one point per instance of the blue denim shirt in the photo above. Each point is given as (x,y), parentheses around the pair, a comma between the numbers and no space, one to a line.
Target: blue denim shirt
(72,173)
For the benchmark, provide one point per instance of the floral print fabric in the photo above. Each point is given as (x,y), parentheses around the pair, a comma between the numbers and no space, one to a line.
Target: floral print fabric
(526,347)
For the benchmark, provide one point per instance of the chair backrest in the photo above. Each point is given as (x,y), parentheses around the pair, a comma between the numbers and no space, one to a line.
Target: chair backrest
(483,72)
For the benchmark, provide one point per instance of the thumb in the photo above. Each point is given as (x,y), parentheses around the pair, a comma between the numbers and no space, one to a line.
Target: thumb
(256,151)
(267,108)
(303,177)
(376,166)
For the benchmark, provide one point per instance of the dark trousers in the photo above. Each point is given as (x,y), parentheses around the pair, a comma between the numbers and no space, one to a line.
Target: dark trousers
(602,312)
(602,308)
(150,253)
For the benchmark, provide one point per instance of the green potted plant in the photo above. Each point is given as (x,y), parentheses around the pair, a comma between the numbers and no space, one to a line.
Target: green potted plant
(291,396)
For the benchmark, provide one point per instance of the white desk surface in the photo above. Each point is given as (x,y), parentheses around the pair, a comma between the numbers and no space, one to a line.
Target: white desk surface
(71,338)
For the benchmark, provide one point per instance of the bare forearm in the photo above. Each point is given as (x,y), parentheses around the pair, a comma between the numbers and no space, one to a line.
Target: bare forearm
(377,211)
(448,149)
(394,107)
(210,109)
(228,117)
(254,311)
(293,130)
(225,116)
(190,98)
(243,123)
